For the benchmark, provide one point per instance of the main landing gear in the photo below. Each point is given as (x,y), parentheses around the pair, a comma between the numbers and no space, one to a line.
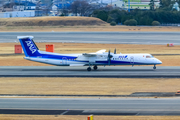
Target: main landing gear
(95,68)
(154,67)
(89,69)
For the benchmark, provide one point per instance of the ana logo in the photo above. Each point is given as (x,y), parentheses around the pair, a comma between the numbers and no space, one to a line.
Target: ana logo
(31,47)
(123,56)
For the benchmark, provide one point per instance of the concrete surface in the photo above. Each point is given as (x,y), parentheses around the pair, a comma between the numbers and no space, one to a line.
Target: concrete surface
(97,106)
(97,37)
(109,71)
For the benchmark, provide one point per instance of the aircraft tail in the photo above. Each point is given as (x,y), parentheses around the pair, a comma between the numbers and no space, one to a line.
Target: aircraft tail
(29,47)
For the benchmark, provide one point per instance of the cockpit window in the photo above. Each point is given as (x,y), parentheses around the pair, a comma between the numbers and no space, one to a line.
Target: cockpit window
(148,56)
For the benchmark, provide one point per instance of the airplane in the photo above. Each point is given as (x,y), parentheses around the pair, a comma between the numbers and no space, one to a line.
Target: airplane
(100,58)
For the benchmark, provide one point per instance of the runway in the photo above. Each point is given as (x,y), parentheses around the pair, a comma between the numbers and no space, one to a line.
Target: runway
(109,71)
(96,106)
(97,37)
(87,106)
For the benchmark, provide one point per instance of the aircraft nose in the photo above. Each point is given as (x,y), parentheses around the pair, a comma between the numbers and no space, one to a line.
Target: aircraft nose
(158,62)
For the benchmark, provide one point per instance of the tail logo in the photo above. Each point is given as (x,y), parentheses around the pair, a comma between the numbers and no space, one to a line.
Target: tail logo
(31,47)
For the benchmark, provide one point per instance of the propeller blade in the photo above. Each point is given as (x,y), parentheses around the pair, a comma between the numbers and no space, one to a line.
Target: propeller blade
(109,54)
(109,57)
(115,51)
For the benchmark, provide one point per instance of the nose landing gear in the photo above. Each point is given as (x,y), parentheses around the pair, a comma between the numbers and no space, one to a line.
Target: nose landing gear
(154,67)
(95,67)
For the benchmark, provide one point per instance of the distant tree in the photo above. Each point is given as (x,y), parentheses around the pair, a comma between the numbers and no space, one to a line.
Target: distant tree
(47,2)
(178,1)
(75,6)
(151,4)
(81,7)
(155,23)
(160,4)
(140,17)
(113,23)
(131,22)
(107,8)
(65,12)
(9,5)
(48,7)
(167,4)
(115,15)
(110,19)
(103,15)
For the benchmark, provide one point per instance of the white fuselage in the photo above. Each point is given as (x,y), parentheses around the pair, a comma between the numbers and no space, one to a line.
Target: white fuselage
(98,59)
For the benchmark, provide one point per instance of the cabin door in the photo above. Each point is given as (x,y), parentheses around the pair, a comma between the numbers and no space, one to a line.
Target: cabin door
(64,60)
(132,60)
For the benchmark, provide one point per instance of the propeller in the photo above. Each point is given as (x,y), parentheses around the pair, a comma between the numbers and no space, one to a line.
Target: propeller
(109,57)
(115,51)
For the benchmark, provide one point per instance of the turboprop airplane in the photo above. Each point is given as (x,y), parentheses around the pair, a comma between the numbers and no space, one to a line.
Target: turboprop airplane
(100,58)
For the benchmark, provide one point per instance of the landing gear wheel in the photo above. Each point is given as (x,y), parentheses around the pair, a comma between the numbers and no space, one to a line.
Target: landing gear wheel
(89,69)
(154,67)
(95,67)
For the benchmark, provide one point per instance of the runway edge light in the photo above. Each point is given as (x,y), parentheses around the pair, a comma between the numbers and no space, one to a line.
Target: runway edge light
(90,117)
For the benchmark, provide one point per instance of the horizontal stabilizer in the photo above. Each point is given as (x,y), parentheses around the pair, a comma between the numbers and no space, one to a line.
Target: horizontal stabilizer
(24,37)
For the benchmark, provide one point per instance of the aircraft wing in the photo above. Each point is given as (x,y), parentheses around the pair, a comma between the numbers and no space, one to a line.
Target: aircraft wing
(93,54)
(101,51)
(89,54)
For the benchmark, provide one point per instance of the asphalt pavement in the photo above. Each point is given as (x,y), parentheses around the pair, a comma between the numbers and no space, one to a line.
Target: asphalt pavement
(96,106)
(108,71)
(87,106)
(97,37)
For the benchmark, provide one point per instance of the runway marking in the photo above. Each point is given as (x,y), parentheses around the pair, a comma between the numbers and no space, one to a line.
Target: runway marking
(137,114)
(64,112)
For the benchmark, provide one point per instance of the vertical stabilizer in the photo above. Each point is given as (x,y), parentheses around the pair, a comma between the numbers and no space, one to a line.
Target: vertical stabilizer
(28,45)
